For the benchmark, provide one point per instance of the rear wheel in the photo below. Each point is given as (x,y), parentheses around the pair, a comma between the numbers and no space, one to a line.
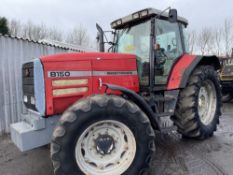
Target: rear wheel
(102,135)
(199,104)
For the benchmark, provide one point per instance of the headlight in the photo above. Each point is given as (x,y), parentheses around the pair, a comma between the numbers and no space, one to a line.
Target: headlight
(25,98)
(32,100)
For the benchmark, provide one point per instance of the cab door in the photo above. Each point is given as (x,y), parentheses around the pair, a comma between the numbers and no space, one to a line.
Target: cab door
(168,39)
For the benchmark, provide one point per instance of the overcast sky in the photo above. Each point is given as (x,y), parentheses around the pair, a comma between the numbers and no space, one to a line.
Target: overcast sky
(65,14)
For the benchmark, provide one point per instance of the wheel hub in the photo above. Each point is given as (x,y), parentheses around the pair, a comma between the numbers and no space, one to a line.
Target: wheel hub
(105,144)
(207,102)
(105,147)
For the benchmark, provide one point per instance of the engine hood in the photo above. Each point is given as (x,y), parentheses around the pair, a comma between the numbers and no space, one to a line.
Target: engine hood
(84,73)
(85,56)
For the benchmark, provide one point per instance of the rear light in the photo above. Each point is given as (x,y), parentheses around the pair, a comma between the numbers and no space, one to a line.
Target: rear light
(68,91)
(70,82)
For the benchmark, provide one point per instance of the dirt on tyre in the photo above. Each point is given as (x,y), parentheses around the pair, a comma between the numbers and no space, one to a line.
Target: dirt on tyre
(199,104)
(102,135)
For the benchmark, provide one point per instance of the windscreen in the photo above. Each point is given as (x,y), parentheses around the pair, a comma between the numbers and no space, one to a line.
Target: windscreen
(136,40)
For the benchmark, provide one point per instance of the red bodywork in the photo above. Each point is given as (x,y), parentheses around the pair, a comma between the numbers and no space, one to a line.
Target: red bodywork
(102,67)
(177,72)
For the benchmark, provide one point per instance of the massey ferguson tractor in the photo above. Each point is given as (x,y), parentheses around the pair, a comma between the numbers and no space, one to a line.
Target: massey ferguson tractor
(100,111)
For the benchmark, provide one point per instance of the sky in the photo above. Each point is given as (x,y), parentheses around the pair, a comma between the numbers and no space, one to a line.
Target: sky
(66,14)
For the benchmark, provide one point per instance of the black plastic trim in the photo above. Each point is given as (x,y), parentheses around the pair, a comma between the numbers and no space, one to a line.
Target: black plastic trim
(138,100)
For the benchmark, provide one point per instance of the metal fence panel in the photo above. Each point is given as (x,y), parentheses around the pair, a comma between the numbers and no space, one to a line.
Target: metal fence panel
(13,53)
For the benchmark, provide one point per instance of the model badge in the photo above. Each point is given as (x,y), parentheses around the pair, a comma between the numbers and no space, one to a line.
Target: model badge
(59,74)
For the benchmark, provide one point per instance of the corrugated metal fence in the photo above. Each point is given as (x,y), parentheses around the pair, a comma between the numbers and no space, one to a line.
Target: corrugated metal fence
(14,52)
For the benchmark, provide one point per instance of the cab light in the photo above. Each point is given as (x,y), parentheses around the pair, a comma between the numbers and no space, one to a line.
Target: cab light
(136,15)
(58,92)
(119,22)
(114,24)
(144,13)
(70,82)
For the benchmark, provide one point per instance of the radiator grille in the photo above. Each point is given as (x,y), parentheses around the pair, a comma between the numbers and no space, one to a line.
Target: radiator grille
(28,85)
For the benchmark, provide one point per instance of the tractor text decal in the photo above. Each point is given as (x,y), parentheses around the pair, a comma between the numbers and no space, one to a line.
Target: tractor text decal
(59,74)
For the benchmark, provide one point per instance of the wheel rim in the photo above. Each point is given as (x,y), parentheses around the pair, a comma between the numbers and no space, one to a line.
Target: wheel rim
(105,147)
(207,102)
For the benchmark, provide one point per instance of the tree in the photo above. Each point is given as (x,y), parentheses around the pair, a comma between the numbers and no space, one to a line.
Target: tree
(37,32)
(227,36)
(78,36)
(34,32)
(192,39)
(54,34)
(15,28)
(217,37)
(205,41)
(40,32)
(3,26)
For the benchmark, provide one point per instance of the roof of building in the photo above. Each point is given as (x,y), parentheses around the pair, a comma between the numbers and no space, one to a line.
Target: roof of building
(53,43)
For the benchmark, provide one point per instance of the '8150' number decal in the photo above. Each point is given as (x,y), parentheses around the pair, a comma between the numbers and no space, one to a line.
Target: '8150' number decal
(59,74)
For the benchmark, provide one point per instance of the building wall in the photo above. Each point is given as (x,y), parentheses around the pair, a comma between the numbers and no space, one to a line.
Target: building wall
(13,53)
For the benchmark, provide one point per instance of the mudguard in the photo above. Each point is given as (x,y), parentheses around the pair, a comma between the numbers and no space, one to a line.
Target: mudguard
(184,67)
(138,100)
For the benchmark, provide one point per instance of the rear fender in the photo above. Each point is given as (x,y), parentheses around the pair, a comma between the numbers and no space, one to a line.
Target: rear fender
(184,67)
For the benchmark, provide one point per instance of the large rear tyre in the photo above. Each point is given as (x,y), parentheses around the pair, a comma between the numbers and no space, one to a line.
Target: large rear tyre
(199,104)
(102,135)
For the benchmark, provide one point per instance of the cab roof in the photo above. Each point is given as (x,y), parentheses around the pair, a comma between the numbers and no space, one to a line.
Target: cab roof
(141,15)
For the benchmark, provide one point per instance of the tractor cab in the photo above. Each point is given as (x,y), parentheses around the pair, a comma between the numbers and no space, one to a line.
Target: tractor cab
(157,40)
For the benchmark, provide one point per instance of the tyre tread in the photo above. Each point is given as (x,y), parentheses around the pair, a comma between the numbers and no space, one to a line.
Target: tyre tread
(186,117)
(86,105)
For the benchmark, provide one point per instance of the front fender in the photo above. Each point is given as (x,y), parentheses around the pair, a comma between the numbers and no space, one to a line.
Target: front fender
(138,100)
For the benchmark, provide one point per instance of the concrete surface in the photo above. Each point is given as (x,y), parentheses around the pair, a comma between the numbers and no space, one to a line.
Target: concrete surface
(174,156)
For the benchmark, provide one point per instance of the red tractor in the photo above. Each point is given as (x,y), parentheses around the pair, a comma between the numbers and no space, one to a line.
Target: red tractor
(112,103)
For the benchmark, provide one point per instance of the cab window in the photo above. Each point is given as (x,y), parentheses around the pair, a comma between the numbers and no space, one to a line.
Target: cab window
(168,41)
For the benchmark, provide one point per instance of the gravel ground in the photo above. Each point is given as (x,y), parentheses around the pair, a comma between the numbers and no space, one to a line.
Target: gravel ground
(173,156)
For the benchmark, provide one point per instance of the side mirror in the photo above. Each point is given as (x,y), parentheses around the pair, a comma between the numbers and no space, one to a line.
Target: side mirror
(100,38)
(172,15)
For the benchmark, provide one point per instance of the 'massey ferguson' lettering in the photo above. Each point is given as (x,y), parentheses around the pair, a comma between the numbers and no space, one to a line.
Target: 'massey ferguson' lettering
(114,73)
(119,73)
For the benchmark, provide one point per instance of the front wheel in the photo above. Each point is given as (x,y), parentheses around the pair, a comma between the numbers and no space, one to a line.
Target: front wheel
(102,135)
